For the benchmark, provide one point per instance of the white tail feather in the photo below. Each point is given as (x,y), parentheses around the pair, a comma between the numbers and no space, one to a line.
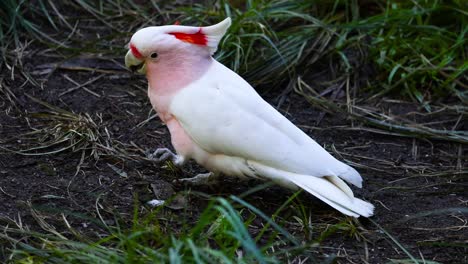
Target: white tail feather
(340,184)
(330,189)
(352,176)
(333,196)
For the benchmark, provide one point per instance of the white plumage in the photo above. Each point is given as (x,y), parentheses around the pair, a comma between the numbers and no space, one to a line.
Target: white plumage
(235,122)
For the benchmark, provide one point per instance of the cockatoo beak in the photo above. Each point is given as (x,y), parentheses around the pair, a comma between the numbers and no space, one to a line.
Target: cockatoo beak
(135,64)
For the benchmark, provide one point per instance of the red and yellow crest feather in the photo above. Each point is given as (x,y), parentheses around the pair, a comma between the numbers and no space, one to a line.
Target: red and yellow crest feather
(197,38)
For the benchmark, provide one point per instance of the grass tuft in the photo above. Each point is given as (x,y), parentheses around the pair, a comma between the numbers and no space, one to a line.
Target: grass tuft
(220,235)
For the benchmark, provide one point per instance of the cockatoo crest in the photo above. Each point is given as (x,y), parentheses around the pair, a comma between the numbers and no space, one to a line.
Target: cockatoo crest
(162,37)
(206,36)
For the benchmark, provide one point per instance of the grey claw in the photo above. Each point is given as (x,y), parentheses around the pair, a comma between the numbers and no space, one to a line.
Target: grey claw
(161,155)
(209,178)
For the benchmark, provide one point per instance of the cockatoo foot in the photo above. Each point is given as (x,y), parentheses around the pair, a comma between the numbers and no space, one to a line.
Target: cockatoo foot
(164,154)
(209,178)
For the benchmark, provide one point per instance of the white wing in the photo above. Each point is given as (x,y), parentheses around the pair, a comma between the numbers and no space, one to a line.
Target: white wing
(223,114)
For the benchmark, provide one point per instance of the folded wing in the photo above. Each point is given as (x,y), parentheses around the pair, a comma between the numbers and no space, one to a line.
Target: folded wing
(223,114)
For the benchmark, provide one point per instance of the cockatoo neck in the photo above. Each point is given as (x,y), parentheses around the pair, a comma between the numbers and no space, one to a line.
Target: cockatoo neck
(173,71)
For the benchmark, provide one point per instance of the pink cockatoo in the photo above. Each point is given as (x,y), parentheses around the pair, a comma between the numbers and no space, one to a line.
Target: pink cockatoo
(216,118)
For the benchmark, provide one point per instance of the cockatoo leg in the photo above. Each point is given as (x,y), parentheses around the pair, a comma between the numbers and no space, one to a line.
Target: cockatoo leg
(209,178)
(163,154)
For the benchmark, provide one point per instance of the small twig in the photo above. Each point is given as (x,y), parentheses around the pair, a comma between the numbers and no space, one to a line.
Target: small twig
(144,122)
(78,86)
(383,205)
(7,194)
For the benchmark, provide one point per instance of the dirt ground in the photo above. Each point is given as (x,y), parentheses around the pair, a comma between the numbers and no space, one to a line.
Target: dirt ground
(403,177)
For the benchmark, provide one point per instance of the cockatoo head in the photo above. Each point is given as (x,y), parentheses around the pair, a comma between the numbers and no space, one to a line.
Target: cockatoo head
(152,45)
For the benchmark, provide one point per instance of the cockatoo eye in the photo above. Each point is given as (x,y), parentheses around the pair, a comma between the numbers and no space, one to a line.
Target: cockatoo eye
(154,55)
